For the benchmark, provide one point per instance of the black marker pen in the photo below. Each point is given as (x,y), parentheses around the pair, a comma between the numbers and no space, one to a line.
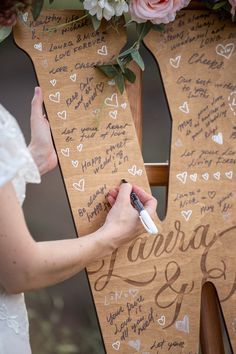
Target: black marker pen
(145,218)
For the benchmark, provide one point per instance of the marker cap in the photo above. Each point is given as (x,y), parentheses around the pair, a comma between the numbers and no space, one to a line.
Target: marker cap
(147,222)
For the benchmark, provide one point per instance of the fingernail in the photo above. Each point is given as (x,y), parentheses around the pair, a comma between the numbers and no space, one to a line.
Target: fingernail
(36,91)
(123,180)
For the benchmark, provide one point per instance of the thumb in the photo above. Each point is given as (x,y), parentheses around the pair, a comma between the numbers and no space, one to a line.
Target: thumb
(124,193)
(37,103)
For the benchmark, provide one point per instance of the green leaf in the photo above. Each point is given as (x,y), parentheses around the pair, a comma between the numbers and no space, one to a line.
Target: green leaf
(120,82)
(51,1)
(126,52)
(120,64)
(37,6)
(138,59)
(143,29)
(130,75)
(109,70)
(219,5)
(95,22)
(4,33)
(159,28)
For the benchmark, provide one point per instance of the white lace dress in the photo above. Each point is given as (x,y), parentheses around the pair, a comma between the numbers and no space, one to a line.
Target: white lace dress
(17,166)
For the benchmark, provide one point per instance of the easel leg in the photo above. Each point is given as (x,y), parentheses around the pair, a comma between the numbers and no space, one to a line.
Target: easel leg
(210,328)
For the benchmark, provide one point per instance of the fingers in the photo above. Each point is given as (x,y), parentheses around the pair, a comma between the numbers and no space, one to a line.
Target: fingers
(121,193)
(124,193)
(149,202)
(114,192)
(37,103)
(111,200)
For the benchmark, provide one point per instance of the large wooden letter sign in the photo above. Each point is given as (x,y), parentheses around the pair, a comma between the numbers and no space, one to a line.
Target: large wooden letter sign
(147,294)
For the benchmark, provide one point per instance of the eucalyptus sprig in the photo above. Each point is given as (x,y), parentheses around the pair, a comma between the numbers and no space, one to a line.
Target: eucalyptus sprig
(118,70)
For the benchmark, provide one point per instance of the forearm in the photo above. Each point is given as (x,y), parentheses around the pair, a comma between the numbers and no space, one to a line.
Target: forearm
(54,261)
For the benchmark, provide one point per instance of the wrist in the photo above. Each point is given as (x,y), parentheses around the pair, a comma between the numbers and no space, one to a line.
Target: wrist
(38,158)
(44,157)
(104,241)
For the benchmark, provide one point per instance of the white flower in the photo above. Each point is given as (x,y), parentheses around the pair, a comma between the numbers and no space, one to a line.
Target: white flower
(121,7)
(106,8)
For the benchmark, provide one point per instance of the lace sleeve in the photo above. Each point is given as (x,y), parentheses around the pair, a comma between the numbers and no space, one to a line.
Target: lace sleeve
(16,163)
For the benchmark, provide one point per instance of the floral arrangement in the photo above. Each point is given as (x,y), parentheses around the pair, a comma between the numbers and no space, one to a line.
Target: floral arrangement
(144,14)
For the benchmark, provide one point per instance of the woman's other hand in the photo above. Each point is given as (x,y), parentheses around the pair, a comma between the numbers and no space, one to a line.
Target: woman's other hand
(41,145)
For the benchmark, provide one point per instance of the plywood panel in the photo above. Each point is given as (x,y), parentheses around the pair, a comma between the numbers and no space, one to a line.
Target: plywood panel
(147,294)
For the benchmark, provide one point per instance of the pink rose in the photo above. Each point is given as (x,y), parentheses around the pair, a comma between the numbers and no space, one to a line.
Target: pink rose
(233,4)
(156,11)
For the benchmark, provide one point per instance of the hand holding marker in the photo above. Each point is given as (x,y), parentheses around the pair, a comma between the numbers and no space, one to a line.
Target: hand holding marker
(145,218)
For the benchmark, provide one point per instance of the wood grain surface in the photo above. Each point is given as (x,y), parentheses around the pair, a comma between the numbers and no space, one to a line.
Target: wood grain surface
(148,293)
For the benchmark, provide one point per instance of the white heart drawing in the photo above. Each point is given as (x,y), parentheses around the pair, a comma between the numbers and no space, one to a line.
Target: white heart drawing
(55,97)
(183,325)
(226,216)
(186,214)
(216,175)
(111,82)
(193,177)
(103,50)
(112,101)
(175,61)
(45,63)
(178,143)
(134,171)
(124,105)
(79,147)
(116,345)
(65,152)
(73,77)
(25,16)
(75,163)
(229,174)
(182,177)
(96,111)
(205,176)
(184,108)
(211,194)
(225,50)
(139,172)
(135,344)
(162,320)
(62,115)
(113,114)
(232,102)
(38,46)
(53,82)
(133,292)
(218,138)
(79,186)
